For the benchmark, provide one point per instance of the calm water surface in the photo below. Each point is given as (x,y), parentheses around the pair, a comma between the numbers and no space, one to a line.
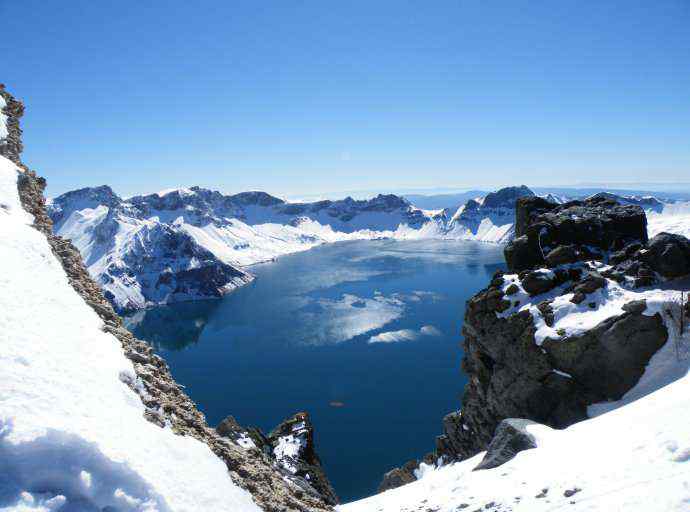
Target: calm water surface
(363,335)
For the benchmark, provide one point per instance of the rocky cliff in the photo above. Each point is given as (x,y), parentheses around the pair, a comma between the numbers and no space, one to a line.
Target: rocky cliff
(569,326)
(586,304)
(166,404)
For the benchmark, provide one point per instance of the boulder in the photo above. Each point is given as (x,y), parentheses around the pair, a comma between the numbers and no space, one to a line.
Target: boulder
(511,438)
(537,282)
(561,255)
(590,283)
(668,254)
(398,477)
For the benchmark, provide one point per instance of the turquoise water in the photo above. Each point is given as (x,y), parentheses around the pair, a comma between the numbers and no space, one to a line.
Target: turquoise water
(363,335)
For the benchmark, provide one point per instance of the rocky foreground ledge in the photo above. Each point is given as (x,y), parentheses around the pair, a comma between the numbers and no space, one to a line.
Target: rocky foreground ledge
(258,469)
(586,303)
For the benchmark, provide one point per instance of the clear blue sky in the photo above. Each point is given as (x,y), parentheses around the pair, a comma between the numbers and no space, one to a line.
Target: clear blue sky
(301,97)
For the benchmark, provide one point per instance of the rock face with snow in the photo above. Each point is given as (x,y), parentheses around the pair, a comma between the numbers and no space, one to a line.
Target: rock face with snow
(140,263)
(547,342)
(292,448)
(577,326)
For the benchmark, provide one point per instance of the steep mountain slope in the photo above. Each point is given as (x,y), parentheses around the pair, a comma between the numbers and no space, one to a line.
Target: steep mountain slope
(90,418)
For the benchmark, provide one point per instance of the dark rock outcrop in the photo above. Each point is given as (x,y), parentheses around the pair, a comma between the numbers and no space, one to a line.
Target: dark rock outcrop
(305,463)
(510,374)
(166,403)
(668,254)
(511,437)
(11,144)
(297,434)
(608,360)
(595,226)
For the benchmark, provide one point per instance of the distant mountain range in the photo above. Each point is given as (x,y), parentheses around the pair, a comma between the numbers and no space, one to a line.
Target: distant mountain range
(195,243)
(455,200)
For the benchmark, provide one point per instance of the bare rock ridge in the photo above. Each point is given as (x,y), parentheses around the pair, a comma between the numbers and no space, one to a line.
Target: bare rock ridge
(571,253)
(11,109)
(273,488)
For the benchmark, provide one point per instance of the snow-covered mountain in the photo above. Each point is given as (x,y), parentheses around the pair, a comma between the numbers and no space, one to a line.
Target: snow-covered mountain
(196,243)
(487,219)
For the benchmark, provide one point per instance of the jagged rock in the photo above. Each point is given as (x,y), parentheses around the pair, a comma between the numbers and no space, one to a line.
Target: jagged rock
(595,223)
(547,312)
(398,477)
(506,197)
(511,437)
(512,289)
(293,447)
(11,145)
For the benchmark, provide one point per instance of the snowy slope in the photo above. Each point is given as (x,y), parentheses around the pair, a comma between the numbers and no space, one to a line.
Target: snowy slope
(634,459)
(63,404)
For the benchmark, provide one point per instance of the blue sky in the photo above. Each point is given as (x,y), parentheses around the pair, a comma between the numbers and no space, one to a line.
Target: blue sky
(301,97)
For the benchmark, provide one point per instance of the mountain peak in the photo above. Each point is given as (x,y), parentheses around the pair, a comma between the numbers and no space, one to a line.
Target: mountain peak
(506,197)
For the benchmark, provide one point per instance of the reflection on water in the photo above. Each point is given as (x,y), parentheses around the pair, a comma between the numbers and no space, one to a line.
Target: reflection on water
(172,327)
(363,335)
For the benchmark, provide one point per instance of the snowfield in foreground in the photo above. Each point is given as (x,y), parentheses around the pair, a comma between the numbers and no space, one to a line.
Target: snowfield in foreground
(633,459)
(71,433)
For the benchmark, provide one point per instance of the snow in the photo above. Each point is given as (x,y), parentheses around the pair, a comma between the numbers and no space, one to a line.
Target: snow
(636,458)
(675,218)
(572,319)
(287,451)
(63,403)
